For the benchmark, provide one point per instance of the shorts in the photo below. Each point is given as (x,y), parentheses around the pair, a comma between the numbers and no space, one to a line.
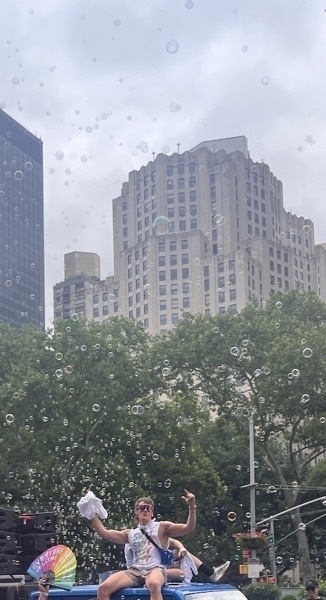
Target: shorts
(139,576)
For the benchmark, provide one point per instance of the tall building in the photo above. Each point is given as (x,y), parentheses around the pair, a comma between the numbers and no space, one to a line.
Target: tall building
(21,225)
(205,231)
(83,293)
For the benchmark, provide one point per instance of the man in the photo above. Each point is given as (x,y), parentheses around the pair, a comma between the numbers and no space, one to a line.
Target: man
(313,591)
(146,566)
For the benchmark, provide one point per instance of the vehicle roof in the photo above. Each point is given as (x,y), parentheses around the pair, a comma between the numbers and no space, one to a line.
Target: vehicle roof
(176,590)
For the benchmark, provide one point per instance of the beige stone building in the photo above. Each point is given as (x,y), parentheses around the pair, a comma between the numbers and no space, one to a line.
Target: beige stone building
(204,231)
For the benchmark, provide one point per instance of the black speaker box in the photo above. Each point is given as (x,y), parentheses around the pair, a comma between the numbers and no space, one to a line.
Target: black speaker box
(8,519)
(26,523)
(36,542)
(9,564)
(8,541)
(45,522)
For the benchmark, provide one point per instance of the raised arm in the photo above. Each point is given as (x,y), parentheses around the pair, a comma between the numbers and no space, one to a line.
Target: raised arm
(178,529)
(112,535)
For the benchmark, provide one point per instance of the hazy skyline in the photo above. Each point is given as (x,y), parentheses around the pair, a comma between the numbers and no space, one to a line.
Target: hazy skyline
(96,79)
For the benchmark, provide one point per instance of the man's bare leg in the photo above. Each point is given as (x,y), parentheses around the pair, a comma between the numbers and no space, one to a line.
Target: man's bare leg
(154,582)
(113,583)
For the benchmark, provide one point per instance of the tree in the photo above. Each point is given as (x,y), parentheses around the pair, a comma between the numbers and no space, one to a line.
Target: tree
(267,362)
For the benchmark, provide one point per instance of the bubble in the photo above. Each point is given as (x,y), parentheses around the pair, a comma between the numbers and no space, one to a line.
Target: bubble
(95,407)
(231,516)
(322,419)
(58,356)
(219,219)
(174,107)
(89,129)
(279,305)
(83,158)
(300,148)
(59,155)
(279,560)
(10,419)
(189,4)
(167,483)
(155,456)
(238,467)
(295,372)
(18,175)
(272,489)
(307,352)
(117,22)
(306,228)
(265,80)
(161,225)
(137,409)
(45,419)
(228,404)
(68,369)
(74,317)
(172,46)
(235,351)
(256,464)
(244,48)
(15,80)
(8,283)
(31,11)
(248,515)
(302,526)
(143,146)
(305,398)
(65,422)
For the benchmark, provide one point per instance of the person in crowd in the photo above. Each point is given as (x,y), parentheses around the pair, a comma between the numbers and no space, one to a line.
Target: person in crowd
(145,565)
(312,590)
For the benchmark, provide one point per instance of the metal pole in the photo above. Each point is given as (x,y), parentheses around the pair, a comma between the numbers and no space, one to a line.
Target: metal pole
(284,512)
(272,551)
(252,483)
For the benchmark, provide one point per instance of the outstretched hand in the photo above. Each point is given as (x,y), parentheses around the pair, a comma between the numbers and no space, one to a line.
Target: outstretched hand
(189,498)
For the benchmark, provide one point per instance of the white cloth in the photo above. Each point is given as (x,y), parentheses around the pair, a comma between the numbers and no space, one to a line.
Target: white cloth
(188,567)
(89,506)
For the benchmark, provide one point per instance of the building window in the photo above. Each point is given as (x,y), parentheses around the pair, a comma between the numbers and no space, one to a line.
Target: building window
(185,273)
(131,314)
(185,258)
(170,212)
(137,312)
(184,244)
(249,215)
(161,261)
(130,301)
(193,210)
(221,297)
(105,310)
(206,285)
(170,198)
(193,196)
(137,297)
(163,320)
(232,278)
(163,304)
(130,287)
(181,182)
(96,312)
(213,192)
(231,264)
(182,225)
(95,299)
(174,303)
(174,274)
(181,197)
(161,246)
(162,290)
(272,280)
(193,224)
(125,219)
(169,184)
(169,170)
(147,222)
(249,229)
(186,302)
(116,307)
(192,181)
(271,265)
(137,269)
(125,232)
(145,309)
(182,211)
(174,318)
(124,206)
(221,282)
(145,279)
(173,260)
(186,288)
(145,323)
(181,169)
(174,289)
(233,294)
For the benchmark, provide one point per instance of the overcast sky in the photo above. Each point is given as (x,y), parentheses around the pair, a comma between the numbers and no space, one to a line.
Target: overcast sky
(96,78)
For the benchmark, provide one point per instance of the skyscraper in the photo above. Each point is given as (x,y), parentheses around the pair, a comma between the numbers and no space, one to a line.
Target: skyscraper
(21,225)
(204,231)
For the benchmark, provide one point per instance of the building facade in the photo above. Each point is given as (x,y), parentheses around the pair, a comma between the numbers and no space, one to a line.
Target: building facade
(205,231)
(21,225)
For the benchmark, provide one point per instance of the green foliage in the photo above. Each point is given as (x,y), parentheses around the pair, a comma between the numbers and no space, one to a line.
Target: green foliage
(261,591)
(289,597)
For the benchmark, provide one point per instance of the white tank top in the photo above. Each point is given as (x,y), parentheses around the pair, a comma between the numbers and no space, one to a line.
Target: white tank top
(145,555)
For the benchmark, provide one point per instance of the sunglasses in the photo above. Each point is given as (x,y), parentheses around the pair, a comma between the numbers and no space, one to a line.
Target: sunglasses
(145,507)
(310,588)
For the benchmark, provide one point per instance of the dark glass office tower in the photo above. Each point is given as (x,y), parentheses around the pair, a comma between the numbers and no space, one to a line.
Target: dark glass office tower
(21,225)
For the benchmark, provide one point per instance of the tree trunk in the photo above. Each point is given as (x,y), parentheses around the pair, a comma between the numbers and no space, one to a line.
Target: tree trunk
(306,570)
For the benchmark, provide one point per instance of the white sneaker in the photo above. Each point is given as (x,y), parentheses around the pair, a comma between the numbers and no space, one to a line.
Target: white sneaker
(219,571)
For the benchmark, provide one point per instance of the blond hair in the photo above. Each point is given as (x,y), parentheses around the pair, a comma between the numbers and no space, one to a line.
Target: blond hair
(145,500)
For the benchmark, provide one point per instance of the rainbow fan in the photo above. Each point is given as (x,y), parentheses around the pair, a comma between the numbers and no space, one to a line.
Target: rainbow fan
(56,566)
